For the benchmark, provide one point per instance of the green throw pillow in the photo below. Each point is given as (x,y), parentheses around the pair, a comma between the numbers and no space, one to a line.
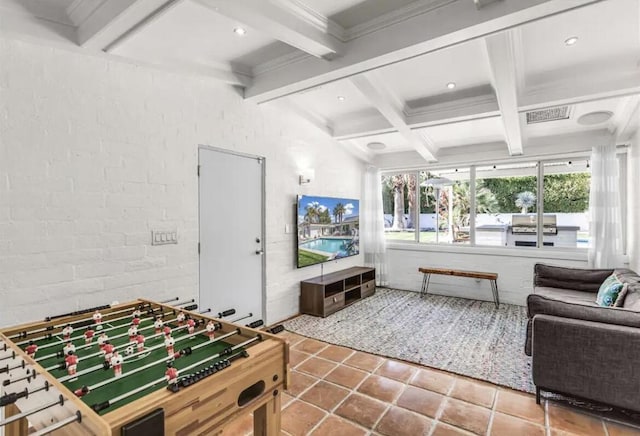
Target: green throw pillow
(609,291)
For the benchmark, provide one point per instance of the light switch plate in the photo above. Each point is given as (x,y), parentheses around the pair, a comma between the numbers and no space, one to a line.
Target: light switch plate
(163,237)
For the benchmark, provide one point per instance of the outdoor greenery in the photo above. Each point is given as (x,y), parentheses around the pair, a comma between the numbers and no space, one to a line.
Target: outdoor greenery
(306,258)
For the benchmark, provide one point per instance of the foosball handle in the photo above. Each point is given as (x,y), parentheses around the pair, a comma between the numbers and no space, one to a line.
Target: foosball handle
(191,307)
(226,313)
(255,324)
(100,406)
(276,329)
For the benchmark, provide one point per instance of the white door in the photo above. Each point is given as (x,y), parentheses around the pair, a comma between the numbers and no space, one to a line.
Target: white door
(231,233)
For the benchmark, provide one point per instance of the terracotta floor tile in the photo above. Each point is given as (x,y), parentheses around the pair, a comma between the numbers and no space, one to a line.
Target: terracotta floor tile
(346,376)
(365,361)
(396,370)
(521,405)
(433,380)
(506,425)
(334,426)
(421,401)
(361,409)
(564,419)
(317,367)
(325,395)
(299,418)
(239,427)
(382,388)
(335,353)
(465,415)
(310,346)
(443,429)
(621,430)
(286,399)
(401,422)
(298,382)
(293,338)
(295,357)
(481,394)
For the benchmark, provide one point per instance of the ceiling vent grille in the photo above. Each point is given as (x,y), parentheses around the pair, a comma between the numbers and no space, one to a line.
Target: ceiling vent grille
(549,114)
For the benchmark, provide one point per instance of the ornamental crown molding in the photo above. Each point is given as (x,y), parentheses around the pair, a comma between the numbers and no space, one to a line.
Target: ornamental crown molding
(312,17)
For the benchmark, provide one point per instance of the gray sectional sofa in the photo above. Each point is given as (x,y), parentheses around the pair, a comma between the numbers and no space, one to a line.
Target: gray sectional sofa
(578,347)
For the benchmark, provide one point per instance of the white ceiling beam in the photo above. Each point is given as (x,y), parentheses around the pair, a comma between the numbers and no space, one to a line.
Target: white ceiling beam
(373,88)
(448,22)
(281,24)
(627,118)
(316,120)
(115,20)
(502,50)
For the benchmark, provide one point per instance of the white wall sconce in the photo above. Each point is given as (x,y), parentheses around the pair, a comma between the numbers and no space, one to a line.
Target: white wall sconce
(306,176)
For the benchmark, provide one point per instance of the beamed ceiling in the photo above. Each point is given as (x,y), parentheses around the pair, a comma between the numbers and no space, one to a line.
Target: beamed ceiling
(377,71)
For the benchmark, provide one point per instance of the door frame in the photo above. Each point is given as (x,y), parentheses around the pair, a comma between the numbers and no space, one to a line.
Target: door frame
(263,228)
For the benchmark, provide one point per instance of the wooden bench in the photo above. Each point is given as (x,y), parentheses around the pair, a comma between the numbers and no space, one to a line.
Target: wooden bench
(492,277)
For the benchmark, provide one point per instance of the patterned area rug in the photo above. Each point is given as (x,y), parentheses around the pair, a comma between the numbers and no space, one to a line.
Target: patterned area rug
(467,337)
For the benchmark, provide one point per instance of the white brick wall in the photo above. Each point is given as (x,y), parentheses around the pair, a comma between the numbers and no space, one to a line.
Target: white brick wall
(94,154)
(633,205)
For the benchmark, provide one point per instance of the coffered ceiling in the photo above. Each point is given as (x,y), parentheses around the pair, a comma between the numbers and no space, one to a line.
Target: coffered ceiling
(424,80)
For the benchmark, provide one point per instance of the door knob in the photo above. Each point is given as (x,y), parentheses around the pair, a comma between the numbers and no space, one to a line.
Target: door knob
(259,252)
(257,240)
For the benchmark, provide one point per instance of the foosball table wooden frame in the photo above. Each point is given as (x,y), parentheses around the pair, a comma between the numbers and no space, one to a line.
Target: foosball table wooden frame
(253,383)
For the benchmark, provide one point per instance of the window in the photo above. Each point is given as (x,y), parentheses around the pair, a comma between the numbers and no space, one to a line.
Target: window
(435,206)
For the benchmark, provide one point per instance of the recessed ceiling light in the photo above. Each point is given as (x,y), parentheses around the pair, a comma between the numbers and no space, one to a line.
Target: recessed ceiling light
(241,31)
(571,41)
(376,146)
(451,85)
(341,98)
(596,117)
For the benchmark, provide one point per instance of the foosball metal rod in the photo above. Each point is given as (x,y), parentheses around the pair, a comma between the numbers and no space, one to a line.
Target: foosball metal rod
(30,375)
(77,417)
(169,300)
(156,362)
(242,317)
(205,311)
(18,416)
(183,303)
(78,312)
(106,404)
(48,329)
(15,396)
(12,356)
(129,357)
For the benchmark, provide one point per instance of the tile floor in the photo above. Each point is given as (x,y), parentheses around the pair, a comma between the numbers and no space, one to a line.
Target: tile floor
(335,391)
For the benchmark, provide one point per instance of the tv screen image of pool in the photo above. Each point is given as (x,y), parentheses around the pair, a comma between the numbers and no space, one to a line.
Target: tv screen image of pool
(328,229)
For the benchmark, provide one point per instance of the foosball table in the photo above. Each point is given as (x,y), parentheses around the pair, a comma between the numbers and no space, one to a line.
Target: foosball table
(140,368)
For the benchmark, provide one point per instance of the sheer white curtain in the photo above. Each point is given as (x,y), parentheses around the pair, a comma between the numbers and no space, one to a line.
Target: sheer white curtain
(372,226)
(605,224)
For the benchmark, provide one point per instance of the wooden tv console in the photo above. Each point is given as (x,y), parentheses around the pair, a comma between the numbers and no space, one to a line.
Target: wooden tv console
(328,293)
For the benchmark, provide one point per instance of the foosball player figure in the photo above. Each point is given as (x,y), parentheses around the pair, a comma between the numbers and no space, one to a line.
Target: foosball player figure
(31,349)
(68,347)
(140,341)
(133,332)
(171,373)
(166,330)
(116,363)
(191,325)
(97,319)
(67,331)
(88,335)
(211,327)
(157,324)
(107,350)
(169,342)
(102,339)
(180,318)
(137,313)
(71,362)
(136,321)
(81,392)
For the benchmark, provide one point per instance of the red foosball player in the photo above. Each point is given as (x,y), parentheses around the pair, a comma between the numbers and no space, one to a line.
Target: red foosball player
(140,341)
(107,350)
(88,335)
(67,331)
(133,332)
(136,321)
(116,363)
(166,330)
(191,325)
(137,313)
(72,363)
(102,339)
(31,349)
(97,319)
(81,392)
(180,318)
(157,324)
(68,347)
(169,343)
(211,327)
(171,373)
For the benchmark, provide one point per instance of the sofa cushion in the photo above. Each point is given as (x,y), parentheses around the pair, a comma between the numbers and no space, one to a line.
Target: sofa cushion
(632,299)
(569,278)
(609,291)
(568,295)
(563,306)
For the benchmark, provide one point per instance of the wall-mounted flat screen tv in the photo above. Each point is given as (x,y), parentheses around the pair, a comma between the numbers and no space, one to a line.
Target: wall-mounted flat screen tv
(328,229)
